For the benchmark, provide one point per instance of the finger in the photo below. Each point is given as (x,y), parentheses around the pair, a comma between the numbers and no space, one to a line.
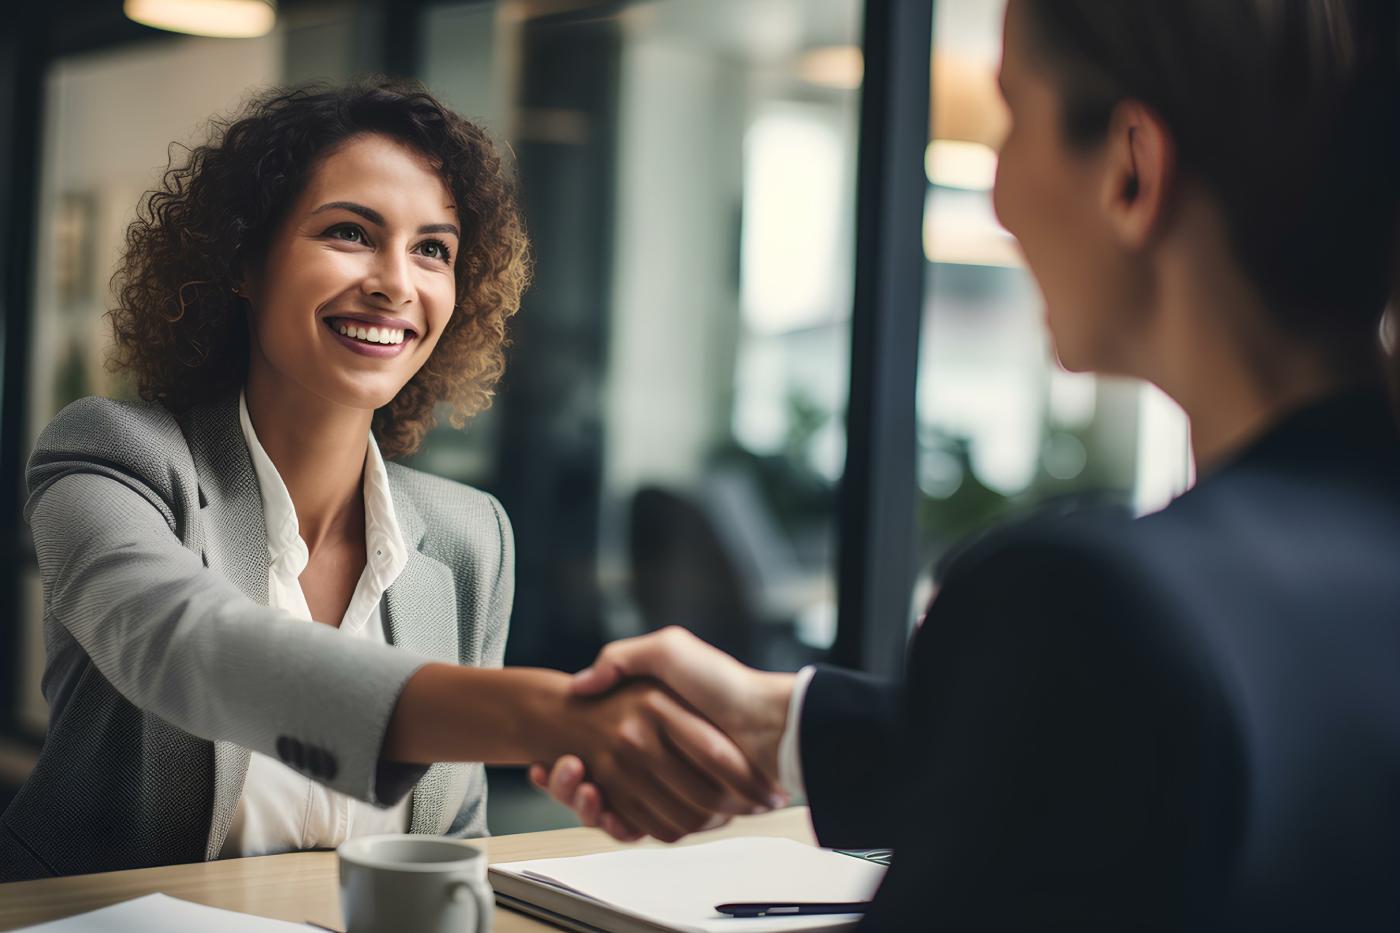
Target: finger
(716,755)
(716,821)
(646,806)
(605,672)
(588,804)
(600,678)
(633,796)
(619,829)
(539,777)
(645,656)
(644,789)
(693,787)
(565,777)
(675,815)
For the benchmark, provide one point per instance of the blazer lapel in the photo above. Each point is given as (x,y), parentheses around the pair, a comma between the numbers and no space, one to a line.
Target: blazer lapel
(420,614)
(235,544)
(420,608)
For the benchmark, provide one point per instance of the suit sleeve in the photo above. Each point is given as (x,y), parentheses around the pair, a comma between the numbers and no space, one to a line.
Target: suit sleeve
(850,732)
(1026,779)
(182,642)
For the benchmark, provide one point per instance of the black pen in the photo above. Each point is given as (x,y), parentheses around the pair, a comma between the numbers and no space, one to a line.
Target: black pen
(792,908)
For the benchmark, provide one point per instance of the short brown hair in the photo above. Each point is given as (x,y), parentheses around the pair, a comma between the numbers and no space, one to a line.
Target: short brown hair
(183,334)
(1288,111)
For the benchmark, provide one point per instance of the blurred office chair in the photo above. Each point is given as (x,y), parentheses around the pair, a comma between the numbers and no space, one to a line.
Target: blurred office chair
(683,575)
(719,565)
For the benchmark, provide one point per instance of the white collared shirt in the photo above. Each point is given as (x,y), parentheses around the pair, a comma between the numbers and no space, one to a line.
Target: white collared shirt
(280,810)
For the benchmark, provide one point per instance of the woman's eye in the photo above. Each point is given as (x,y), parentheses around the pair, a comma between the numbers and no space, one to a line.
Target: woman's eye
(347,232)
(435,249)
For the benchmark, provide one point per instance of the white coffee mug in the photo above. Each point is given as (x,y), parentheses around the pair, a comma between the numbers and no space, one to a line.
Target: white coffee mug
(413,884)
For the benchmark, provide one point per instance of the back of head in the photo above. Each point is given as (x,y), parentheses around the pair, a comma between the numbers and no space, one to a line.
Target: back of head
(1288,111)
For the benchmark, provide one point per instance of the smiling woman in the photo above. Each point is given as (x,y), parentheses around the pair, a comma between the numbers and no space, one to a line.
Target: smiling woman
(261,636)
(289,178)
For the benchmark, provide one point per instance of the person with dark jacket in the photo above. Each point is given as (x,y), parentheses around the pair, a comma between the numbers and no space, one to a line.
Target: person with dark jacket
(1188,721)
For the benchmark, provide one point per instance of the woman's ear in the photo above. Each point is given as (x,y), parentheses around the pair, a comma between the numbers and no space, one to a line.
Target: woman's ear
(1141,173)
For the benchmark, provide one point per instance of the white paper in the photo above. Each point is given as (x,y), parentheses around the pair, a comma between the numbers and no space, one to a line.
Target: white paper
(679,887)
(157,913)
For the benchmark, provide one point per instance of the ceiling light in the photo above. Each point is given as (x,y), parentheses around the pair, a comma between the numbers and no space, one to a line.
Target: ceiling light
(229,19)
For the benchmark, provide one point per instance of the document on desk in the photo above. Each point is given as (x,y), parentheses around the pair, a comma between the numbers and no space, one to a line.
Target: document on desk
(157,913)
(677,888)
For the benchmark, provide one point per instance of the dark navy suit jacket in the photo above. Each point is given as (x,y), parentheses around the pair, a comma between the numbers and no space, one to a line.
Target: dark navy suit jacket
(1190,721)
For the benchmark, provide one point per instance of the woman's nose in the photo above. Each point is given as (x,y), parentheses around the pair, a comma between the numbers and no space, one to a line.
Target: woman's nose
(390,278)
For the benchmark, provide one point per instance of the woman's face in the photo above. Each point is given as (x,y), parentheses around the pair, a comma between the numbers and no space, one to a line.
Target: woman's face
(1052,197)
(358,284)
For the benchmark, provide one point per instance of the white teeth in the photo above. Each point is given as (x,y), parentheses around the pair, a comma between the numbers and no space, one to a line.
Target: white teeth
(374,334)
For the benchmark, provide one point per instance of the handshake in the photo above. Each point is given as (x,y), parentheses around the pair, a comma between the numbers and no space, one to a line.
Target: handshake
(696,742)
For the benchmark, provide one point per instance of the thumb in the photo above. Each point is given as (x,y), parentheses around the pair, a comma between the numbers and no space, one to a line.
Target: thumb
(600,678)
(631,657)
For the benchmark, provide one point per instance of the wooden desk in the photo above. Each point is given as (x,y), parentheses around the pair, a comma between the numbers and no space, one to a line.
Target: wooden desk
(305,886)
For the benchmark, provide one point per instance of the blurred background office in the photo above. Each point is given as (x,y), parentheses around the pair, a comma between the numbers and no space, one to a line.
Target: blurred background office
(778,357)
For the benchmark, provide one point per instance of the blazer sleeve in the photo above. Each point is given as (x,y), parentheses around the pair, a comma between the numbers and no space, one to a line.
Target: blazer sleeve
(850,730)
(1027,774)
(181,641)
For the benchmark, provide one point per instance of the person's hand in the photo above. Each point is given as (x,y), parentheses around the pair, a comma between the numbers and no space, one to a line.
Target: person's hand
(565,783)
(667,772)
(750,706)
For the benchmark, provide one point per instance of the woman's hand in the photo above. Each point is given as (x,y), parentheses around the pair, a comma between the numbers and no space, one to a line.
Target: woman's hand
(666,771)
(749,705)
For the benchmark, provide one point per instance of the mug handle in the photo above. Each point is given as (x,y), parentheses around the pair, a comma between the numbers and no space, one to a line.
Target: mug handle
(485,906)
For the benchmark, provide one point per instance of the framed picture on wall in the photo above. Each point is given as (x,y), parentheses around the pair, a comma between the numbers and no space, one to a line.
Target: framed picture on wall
(75,248)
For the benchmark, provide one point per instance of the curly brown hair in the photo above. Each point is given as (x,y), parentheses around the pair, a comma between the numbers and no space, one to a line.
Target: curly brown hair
(218,205)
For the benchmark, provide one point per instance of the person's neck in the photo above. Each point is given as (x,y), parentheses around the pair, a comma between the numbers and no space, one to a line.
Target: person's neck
(1215,349)
(1231,408)
(318,448)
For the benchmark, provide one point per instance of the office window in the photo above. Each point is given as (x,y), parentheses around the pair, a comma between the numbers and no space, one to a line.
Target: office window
(669,435)
(1002,429)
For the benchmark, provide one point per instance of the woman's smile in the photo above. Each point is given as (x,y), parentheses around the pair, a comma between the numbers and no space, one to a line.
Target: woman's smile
(382,340)
(366,250)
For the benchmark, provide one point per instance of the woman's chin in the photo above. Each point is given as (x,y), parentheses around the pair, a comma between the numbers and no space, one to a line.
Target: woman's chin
(354,390)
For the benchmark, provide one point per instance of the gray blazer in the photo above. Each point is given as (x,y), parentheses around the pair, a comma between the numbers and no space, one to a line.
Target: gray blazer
(165,665)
